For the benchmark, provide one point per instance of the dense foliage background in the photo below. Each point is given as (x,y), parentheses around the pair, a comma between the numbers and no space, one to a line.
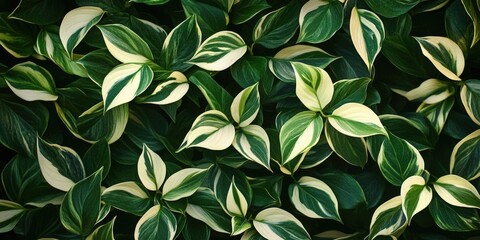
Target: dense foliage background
(251,119)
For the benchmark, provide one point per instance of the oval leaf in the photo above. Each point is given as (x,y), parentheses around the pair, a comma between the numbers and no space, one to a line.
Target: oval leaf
(236,203)
(104,232)
(314,86)
(151,169)
(457,191)
(276,223)
(183,183)
(470,95)
(245,106)
(351,149)
(328,14)
(253,143)
(204,206)
(157,223)
(415,196)
(170,91)
(10,215)
(129,197)
(465,155)
(388,219)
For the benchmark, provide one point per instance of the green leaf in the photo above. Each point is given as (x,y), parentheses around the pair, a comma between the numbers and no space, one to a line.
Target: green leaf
(245,10)
(388,219)
(314,198)
(157,223)
(367,33)
(249,70)
(445,55)
(124,44)
(31,11)
(217,97)
(266,191)
(232,190)
(80,208)
(211,130)
(276,28)
(219,51)
(252,234)
(153,34)
(183,183)
(430,91)
(151,2)
(203,205)
(314,87)
(327,13)
(438,112)
(103,232)
(181,44)
(174,88)
(299,134)
(196,230)
(17,37)
(130,197)
(31,82)
(452,218)
(61,166)
(10,215)
(465,155)
(393,8)
(416,196)
(351,149)
(96,157)
(124,83)
(245,106)
(236,202)
(470,95)
(276,223)
(347,190)
(458,25)
(348,90)
(457,191)
(211,17)
(399,160)
(253,143)
(76,24)
(240,225)
(415,129)
(98,64)
(151,169)
(473,10)
(356,120)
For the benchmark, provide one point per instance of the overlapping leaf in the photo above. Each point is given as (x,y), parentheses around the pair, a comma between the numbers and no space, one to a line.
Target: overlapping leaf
(470,95)
(130,197)
(245,106)
(183,183)
(151,169)
(276,223)
(253,143)
(31,82)
(356,120)
(329,14)
(464,158)
(415,196)
(157,223)
(457,191)
(388,219)
(314,87)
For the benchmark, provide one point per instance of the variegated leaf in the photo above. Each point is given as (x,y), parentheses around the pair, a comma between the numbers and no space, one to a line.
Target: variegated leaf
(470,95)
(130,197)
(203,205)
(16,37)
(169,91)
(457,191)
(151,169)
(157,223)
(236,203)
(452,218)
(240,225)
(431,91)
(10,215)
(464,159)
(328,14)
(245,106)
(252,234)
(103,232)
(416,196)
(183,183)
(388,219)
(278,224)
(352,149)
(438,112)
(124,83)
(253,143)
(356,120)
(472,8)
(314,86)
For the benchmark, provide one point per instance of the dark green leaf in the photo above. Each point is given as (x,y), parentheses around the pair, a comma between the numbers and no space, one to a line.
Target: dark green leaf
(453,218)
(217,97)
(244,10)
(32,11)
(17,37)
(96,157)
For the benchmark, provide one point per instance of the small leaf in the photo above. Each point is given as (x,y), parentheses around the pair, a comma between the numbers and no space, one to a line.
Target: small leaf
(314,86)
(470,95)
(356,120)
(415,196)
(457,191)
(245,10)
(10,215)
(388,219)
(103,232)
(183,183)
(203,206)
(129,197)
(276,223)
(169,91)
(465,155)
(157,223)
(217,97)
(245,106)
(236,203)
(151,169)
(393,8)
(329,14)
(253,143)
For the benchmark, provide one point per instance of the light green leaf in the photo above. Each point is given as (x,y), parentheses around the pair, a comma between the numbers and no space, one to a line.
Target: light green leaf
(253,143)
(470,95)
(17,37)
(157,223)
(245,106)
(76,24)
(445,55)
(277,224)
(124,44)
(244,10)
(367,33)
(351,149)
(217,97)
(31,82)
(438,112)
(314,198)
(472,8)
(103,232)
(314,86)
(465,155)
(130,197)
(388,219)
(348,90)
(124,83)
(150,2)
(183,183)
(211,130)
(415,196)
(31,11)
(10,215)
(203,205)
(151,169)
(452,218)
(392,8)
(81,206)
(174,88)
(457,191)
(356,120)
(299,134)
(328,14)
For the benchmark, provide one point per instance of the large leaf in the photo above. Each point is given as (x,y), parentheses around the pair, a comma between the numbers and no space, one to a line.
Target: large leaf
(415,196)
(465,155)
(203,206)
(314,87)
(415,129)
(31,11)
(351,149)
(217,97)
(356,120)
(253,143)
(98,64)
(367,33)
(453,218)
(470,95)
(130,197)
(392,8)
(183,183)
(10,215)
(151,169)
(244,10)
(458,25)
(245,106)
(457,191)
(329,14)
(17,37)
(157,223)
(80,208)
(347,190)
(276,223)
(388,219)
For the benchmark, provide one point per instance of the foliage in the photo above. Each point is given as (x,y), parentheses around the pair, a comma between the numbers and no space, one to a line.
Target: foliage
(196,119)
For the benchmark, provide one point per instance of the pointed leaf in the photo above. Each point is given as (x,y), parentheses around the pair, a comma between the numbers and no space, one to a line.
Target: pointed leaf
(457,191)
(430,91)
(103,232)
(97,156)
(253,143)
(452,218)
(276,223)
(465,155)
(329,14)
(470,95)
(438,112)
(314,86)
(245,10)
(240,225)
(183,183)
(236,202)
(416,196)
(151,169)
(393,8)
(172,90)
(204,206)
(388,219)
(245,106)
(217,97)
(10,215)
(129,197)
(98,64)
(17,38)
(232,190)
(157,223)
(348,90)
(356,120)
(472,8)
(351,149)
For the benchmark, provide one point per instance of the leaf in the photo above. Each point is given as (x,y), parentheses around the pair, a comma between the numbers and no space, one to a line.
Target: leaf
(473,11)
(103,232)
(399,160)
(153,34)
(249,70)
(393,8)
(351,149)
(457,191)
(61,166)
(356,120)
(151,2)
(314,198)
(151,169)
(348,90)
(276,223)
(96,157)
(157,223)
(98,64)
(465,155)
(245,10)
(276,28)
(452,218)
(240,225)
(314,87)
(470,96)
(299,134)
(17,37)
(183,183)
(430,91)
(203,206)
(130,197)
(437,113)
(31,11)
(31,82)
(329,14)
(217,97)
(236,203)
(458,25)
(245,106)
(124,83)
(124,44)
(80,208)
(172,90)
(211,130)
(212,17)
(346,189)
(10,215)
(252,234)
(253,143)
(195,230)
(445,55)
(388,219)
(76,24)
(416,196)
(232,190)
(367,33)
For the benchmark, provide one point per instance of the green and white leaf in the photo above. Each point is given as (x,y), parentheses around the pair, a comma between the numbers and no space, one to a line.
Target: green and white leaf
(356,120)
(392,8)
(457,191)
(472,8)
(124,83)
(430,91)
(470,96)
(151,169)
(183,183)
(245,106)
(348,90)
(437,113)
(315,13)
(157,223)
(219,51)
(388,219)
(367,33)
(130,197)
(416,196)
(10,215)
(465,155)
(253,143)
(236,202)
(103,232)
(31,82)
(16,37)
(452,218)
(277,224)
(445,55)
(217,97)
(211,130)
(240,225)
(314,86)
(314,198)
(203,205)
(76,24)
(252,234)
(351,149)
(172,90)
